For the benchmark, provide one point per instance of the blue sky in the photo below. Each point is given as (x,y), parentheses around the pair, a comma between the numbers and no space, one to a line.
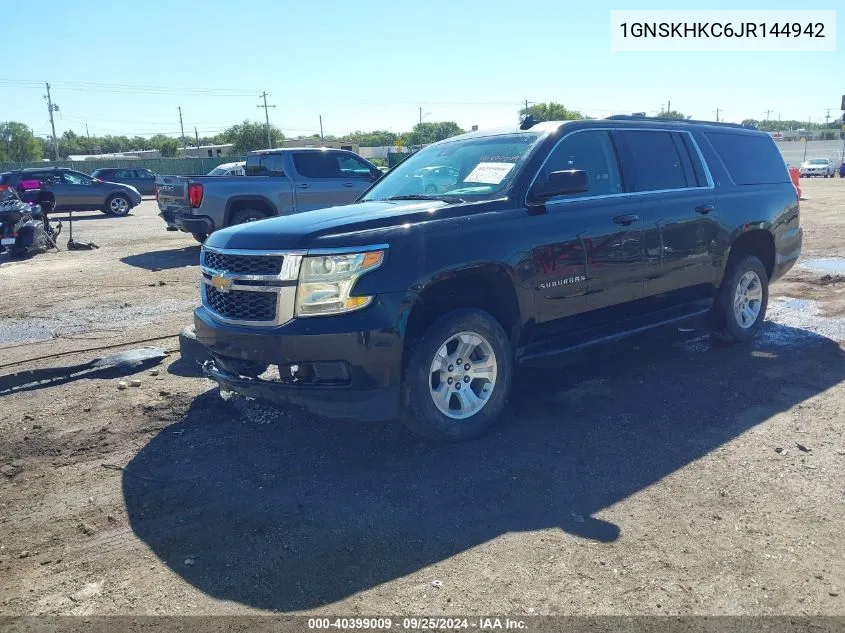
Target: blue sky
(372,65)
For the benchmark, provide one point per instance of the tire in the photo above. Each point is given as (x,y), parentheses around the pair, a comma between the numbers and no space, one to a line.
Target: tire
(18,252)
(118,205)
(200,237)
(431,189)
(246,215)
(483,336)
(728,321)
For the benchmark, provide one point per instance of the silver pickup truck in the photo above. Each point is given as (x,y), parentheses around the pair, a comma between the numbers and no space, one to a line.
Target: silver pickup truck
(277,182)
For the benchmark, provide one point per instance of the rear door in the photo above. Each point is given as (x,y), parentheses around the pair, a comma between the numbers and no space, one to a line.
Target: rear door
(680,225)
(327,179)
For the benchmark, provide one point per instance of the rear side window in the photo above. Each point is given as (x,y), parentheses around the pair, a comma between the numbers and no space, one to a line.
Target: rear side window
(265,165)
(317,165)
(655,161)
(750,159)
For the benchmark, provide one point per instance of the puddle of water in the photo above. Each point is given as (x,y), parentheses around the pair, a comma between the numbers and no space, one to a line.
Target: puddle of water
(825,264)
(789,322)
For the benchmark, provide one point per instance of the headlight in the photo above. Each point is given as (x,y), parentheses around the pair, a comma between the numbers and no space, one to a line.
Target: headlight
(325,282)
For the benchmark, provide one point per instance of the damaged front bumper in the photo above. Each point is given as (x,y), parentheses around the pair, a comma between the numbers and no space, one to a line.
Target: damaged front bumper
(371,405)
(344,366)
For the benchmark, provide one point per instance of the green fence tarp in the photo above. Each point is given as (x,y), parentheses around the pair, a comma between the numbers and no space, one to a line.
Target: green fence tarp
(164,166)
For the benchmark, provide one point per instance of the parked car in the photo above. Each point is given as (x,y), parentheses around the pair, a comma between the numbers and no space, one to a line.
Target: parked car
(437,178)
(75,191)
(229,169)
(277,182)
(555,236)
(817,167)
(142,179)
(842,170)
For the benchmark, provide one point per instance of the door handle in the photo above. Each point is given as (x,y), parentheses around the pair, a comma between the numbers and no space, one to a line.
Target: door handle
(626,220)
(704,209)
(348,184)
(303,186)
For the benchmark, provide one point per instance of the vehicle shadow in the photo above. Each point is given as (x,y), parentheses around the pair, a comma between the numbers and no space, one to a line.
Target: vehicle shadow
(164,260)
(279,510)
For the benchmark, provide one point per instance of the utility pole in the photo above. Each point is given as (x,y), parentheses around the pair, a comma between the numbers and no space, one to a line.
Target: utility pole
(668,107)
(52,107)
(267,118)
(768,112)
(86,132)
(321,127)
(182,127)
(717,115)
(420,115)
(197,136)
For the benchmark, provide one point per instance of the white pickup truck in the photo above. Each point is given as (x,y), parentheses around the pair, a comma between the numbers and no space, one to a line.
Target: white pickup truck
(277,182)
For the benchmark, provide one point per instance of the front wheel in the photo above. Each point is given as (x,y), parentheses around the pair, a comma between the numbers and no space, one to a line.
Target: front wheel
(118,206)
(458,377)
(740,308)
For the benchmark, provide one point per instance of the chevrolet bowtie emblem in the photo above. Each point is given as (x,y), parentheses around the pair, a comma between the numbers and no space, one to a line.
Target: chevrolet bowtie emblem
(221,282)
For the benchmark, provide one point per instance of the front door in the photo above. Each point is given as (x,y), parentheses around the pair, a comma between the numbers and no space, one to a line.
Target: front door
(74,190)
(679,213)
(591,253)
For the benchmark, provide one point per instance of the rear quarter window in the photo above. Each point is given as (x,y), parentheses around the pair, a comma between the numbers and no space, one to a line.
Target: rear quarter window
(749,158)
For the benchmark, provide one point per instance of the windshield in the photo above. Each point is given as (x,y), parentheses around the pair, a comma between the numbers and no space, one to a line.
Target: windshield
(469,169)
(818,161)
(217,171)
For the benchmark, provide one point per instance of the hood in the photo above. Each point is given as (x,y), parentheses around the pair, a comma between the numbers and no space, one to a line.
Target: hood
(310,228)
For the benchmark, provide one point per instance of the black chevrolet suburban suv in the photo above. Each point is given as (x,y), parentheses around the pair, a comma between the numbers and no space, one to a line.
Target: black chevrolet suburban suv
(543,238)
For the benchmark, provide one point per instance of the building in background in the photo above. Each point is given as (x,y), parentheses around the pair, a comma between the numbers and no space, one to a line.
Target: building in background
(208,151)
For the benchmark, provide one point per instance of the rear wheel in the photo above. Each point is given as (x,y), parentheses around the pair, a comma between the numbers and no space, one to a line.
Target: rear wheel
(740,308)
(458,377)
(246,215)
(118,205)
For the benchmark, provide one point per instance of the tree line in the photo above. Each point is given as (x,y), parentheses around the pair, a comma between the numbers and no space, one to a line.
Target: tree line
(18,143)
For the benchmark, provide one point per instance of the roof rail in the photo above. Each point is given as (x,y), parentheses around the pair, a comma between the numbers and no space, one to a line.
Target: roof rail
(636,117)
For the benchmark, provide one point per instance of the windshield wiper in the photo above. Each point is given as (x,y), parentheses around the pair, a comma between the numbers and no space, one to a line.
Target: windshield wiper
(420,196)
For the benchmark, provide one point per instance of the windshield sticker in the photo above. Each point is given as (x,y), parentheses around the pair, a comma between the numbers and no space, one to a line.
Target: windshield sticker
(489,173)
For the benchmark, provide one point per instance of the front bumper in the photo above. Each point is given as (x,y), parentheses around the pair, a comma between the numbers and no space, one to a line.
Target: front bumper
(366,343)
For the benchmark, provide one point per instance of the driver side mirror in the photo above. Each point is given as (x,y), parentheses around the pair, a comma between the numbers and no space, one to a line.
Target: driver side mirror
(376,174)
(559,183)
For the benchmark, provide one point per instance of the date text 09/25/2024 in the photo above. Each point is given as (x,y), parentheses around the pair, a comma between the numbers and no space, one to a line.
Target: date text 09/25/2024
(419,624)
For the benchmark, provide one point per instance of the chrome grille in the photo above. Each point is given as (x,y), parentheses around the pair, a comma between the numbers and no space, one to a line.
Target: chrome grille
(250,288)
(242,305)
(243,264)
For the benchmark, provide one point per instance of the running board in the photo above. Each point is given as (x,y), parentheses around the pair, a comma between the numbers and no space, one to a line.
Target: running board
(523,356)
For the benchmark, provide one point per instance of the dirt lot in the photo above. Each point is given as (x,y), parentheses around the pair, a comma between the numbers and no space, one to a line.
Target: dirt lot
(659,475)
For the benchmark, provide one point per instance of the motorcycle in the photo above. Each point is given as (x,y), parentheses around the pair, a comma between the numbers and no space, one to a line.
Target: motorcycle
(24,227)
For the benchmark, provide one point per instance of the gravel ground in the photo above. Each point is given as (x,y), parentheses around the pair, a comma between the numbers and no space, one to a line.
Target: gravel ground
(660,475)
